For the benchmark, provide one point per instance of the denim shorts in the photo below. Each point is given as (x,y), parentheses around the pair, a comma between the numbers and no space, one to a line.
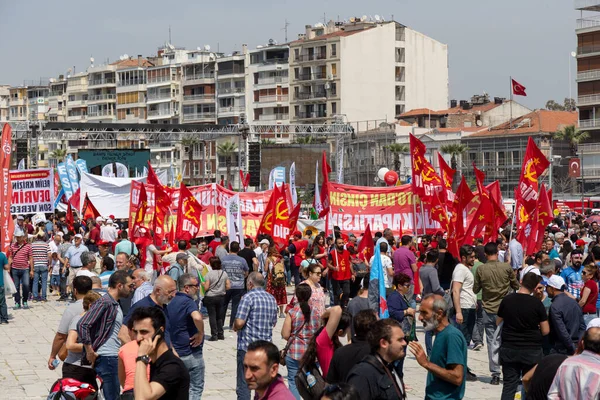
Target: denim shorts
(55,280)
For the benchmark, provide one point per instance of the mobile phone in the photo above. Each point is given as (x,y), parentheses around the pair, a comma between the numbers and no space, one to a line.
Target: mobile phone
(160,333)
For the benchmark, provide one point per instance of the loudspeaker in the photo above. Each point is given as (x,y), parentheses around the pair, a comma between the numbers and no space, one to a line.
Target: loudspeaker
(254,163)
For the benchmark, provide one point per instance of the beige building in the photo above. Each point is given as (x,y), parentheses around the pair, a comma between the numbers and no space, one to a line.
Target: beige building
(102,93)
(17,104)
(77,97)
(4,99)
(57,100)
(231,87)
(131,90)
(199,87)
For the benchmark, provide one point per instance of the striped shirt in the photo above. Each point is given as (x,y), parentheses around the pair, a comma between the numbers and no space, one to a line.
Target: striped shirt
(21,259)
(577,378)
(40,250)
(95,327)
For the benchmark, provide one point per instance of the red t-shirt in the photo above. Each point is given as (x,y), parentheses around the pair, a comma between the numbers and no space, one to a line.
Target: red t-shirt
(205,257)
(590,304)
(214,244)
(95,234)
(345,266)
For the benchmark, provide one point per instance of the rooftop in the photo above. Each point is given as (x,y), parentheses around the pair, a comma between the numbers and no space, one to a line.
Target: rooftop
(538,121)
(341,33)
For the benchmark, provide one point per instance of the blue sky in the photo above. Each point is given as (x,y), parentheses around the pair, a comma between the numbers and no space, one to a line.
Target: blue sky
(488,40)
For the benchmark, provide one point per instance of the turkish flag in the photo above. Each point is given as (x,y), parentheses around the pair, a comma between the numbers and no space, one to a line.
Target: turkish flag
(188,215)
(518,89)
(574,167)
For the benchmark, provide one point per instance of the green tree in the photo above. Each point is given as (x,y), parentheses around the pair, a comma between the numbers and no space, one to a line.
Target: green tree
(554,106)
(396,149)
(227,150)
(59,154)
(267,142)
(570,104)
(454,149)
(571,135)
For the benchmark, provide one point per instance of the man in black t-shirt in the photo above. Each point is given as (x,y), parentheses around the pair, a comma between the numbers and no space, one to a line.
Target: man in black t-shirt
(248,254)
(525,322)
(169,378)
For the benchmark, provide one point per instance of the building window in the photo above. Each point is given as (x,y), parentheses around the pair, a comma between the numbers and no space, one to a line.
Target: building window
(334,70)
(400,54)
(296,54)
(333,108)
(333,49)
(399,33)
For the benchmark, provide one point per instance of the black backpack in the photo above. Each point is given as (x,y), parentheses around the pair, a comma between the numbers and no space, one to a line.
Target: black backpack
(308,392)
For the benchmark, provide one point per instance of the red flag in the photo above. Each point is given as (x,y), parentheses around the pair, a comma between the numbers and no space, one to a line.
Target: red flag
(481,222)
(6,221)
(534,164)
(75,200)
(222,183)
(245,180)
(152,178)
(479,178)
(447,175)
(140,232)
(162,202)
(88,210)
(69,217)
(366,247)
(543,213)
(457,225)
(229,186)
(294,217)
(417,153)
(518,89)
(188,215)
(276,219)
(326,170)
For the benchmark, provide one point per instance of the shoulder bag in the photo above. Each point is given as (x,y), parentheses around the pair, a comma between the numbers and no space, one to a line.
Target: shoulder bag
(284,351)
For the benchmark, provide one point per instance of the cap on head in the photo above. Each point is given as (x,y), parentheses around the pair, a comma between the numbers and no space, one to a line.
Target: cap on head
(78,236)
(595,323)
(264,241)
(20,218)
(297,234)
(556,282)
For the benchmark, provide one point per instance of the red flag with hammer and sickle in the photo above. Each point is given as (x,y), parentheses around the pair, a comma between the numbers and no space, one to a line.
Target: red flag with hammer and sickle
(188,215)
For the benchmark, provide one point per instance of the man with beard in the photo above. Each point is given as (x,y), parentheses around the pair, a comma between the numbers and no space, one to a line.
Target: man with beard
(572,274)
(341,273)
(187,331)
(204,253)
(375,376)
(98,331)
(163,292)
(566,318)
(447,364)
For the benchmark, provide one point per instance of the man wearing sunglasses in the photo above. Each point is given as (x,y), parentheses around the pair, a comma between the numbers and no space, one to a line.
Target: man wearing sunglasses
(187,331)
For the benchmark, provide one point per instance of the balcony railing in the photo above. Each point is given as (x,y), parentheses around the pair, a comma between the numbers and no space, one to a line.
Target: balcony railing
(223,72)
(159,79)
(198,116)
(273,117)
(103,81)
(76,117)
(236,110)
(589,99)
(589,123)
(199,76)
(159,96)
(305,115)
(160,112)
(232,90)
(273,99)
(310,95)
(96,97)
(195,97)
(101,113)
(588,49)
(592,5)
(132,82)
(591,74)
(311,57)
(273,79)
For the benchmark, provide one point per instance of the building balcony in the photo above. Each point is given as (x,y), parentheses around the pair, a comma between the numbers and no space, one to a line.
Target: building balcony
(160,113)
(102,98)
(101,82)
(588,50)
(311,57)
(587,5)
(141,87)
(588,100)
(223,111)
(591,75)
(101,114)
(199,117)
(273,80)
(587,23)
(281,98)
(589,123)
(76,103)
(231,92)
(310,95)
(198,79)
(199,98)
(131,105)
(158,97)
(311,115)
(222,73)
(159,80)
(274,117)
(76,118)
(77,87)
(16,102)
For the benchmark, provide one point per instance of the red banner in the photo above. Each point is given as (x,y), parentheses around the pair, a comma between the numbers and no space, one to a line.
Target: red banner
(6,222)
(355,207)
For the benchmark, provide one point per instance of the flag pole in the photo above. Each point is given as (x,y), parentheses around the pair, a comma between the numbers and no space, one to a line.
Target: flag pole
(423,215)
(511,99)
(414,198)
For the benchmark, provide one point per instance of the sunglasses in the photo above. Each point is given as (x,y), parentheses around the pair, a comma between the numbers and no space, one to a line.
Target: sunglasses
(318,273)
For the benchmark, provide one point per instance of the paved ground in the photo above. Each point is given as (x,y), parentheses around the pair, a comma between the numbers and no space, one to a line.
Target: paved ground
(25,347)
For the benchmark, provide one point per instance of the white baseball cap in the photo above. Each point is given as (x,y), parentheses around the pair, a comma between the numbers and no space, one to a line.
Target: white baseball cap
(556,282)
(264,241)
(109,221)
(595,323)
(99,219)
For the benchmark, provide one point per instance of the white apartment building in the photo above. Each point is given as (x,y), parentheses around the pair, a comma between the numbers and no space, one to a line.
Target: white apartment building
(131,90)
(199,87)
(77,97)
(57,100)
(365,70)
(231,87)
(164,86)
(17,104)
(4,97)
(37,98)
(102,93)
(267,84)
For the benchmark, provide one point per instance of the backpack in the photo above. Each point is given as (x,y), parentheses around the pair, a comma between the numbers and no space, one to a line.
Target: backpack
(278,273)
(71,389)
(175,272)
(315,388)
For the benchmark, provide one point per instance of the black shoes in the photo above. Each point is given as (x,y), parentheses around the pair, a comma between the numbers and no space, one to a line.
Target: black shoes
(495,380)
(212,339)
(471,377)
(221,336)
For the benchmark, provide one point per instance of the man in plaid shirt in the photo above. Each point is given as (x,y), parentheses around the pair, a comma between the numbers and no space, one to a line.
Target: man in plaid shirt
(255,319)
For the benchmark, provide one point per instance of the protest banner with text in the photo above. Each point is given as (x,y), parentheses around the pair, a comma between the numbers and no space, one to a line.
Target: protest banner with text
(32,191)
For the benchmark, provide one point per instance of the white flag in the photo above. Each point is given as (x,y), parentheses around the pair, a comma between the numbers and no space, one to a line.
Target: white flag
(272,179)
(317,203)
(235,230)
(21,165)
(340,167)
(293,183)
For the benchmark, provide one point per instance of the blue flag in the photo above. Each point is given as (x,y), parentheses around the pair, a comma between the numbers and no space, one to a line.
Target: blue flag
(377,300)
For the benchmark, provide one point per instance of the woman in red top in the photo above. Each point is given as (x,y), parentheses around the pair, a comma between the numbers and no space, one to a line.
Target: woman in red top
(589,294)
(320,251)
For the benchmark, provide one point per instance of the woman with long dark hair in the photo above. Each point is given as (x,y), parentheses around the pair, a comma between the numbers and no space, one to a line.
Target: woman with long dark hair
(216,283)
(275,287)
(298,328)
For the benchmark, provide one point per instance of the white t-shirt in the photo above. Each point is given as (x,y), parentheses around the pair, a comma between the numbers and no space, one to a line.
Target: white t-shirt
(56,267)
(85,272)
(108,233)
(149,266)
(462,274)
(529,268)
(386,262)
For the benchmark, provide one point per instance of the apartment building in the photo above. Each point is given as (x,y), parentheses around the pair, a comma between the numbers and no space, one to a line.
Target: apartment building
(231,87)
(4,97)
(17,104)
(77,97)
(199,87)
(102,93)
(267,84)
(131,90)
(37,98)
(57,100)
(365,70)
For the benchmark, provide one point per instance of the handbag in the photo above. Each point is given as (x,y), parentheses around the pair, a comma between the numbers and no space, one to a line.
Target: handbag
(9,285)
(310,382)
(284,351)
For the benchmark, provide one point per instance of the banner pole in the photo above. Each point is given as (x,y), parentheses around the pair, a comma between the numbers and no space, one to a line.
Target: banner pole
(214,188)
(423,216)
(414,198)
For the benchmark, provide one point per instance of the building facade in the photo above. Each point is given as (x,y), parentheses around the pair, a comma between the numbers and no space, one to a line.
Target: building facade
(231,87)
(199,88)
(77,97)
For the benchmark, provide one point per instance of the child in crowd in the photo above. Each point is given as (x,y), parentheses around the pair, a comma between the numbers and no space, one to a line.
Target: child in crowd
(55,273)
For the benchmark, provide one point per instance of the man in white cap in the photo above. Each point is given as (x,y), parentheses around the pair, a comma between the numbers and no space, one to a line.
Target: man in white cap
(73,256)
(566,318)
(109,232)
(579,377)
(262,251)
(20,260)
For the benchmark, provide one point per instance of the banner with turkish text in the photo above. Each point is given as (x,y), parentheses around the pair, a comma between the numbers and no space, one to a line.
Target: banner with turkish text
(6,221)
(32,191)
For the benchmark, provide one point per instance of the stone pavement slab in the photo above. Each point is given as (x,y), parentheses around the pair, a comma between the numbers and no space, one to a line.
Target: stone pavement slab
(25,346)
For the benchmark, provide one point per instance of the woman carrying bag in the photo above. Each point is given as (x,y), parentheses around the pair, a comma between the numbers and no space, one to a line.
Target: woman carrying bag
(216,283)
(401,312)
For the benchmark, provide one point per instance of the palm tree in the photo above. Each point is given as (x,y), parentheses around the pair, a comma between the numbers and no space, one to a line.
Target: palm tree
(571,135)
(227,150)
(455,149)
(396,149)
(59,154)
(189,143)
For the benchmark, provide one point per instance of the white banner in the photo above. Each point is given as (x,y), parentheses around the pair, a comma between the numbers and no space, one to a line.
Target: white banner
(293,183)
(314,225)
(32,191)
(235,230)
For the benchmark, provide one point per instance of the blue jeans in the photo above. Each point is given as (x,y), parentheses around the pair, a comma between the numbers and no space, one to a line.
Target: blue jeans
(292,369)
(241,387)
(21,277)
(40,271)
(3,309)
(468,324)
(195,366)
(107,368)
(233,295)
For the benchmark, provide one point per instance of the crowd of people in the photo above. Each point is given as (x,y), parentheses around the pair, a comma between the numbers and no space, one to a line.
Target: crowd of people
(140,327)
